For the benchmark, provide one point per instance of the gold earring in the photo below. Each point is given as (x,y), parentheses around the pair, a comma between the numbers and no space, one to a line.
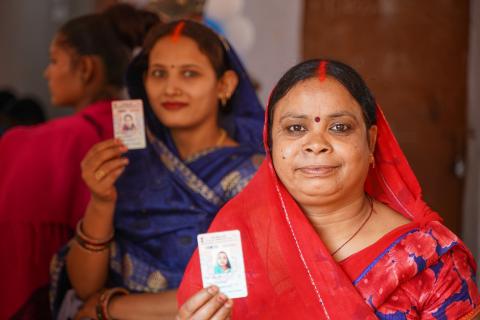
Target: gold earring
(223,100)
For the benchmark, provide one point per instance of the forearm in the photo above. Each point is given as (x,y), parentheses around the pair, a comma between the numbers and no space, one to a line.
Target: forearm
(145,306)
(88,270)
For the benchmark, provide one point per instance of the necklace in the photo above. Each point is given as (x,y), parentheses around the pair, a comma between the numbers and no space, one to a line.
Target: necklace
(221,139)
(358,230)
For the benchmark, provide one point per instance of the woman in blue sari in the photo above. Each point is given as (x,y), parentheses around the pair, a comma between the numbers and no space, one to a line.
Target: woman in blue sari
(204,145)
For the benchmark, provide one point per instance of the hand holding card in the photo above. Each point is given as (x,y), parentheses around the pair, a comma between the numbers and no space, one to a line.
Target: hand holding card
(221,262)
(128,123)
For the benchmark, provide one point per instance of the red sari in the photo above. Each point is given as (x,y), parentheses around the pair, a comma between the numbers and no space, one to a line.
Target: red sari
(418,271)
(42,196)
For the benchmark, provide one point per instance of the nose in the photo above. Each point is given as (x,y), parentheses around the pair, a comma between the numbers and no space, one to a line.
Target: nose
(171,87)
(316,144)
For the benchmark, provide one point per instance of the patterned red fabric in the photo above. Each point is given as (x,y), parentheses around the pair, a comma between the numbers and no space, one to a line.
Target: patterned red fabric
(42,196)
(421,270)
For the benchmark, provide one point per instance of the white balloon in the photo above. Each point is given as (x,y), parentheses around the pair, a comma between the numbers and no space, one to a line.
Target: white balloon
(222,10)
(240,31)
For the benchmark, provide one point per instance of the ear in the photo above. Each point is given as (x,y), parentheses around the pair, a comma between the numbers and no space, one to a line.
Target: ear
(372,137)
(227,84)
(87,66)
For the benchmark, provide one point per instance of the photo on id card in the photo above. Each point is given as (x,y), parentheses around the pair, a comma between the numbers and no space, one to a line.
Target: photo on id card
(221,262)
(128,123)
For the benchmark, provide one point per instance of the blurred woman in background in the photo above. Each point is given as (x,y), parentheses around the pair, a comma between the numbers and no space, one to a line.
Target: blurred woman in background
(42,195)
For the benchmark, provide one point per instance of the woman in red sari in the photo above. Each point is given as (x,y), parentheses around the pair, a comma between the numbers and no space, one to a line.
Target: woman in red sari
(333,225)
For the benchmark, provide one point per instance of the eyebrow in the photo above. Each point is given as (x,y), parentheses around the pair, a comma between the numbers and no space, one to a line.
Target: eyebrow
(293,115)
(342,114)
(331,116)
(190,65)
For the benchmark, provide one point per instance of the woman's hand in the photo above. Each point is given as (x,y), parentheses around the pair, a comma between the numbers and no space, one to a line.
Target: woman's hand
(102,166)
(208,303)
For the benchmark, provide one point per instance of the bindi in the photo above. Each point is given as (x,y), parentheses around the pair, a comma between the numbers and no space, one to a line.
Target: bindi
(317,119)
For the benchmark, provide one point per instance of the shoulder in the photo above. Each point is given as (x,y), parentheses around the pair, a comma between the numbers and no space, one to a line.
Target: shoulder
(72,133)
(247,207)
(448,287)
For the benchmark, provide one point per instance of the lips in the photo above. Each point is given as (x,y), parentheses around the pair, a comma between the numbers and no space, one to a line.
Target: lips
(174,105)
(318,170)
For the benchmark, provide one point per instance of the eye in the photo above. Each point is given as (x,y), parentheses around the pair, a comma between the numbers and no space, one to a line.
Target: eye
(190,74)
(296,128)
(158,73)
(340,127)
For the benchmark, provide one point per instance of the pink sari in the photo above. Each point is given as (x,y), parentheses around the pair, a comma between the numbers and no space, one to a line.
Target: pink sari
(417,271)
(42,196)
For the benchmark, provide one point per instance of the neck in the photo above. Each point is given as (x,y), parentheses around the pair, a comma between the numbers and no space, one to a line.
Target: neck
(335,222)
(90,97)
(190,141)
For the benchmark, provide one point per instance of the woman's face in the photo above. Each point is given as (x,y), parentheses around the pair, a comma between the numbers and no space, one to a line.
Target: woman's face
(320,147)
(222,259)
(181,84)
(64,80)
(128,121)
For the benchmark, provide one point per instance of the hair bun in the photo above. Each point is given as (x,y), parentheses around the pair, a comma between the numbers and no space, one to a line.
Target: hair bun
(130,24)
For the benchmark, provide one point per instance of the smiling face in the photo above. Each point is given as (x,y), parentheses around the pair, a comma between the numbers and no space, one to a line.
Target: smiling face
(64,79)
(320,147)
(181,84)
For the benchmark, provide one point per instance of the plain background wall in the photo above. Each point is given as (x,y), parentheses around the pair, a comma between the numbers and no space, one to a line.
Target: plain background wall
(26,29)
(278,36)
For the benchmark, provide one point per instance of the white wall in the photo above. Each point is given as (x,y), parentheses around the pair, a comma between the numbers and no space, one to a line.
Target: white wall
(26,29)
(278,38)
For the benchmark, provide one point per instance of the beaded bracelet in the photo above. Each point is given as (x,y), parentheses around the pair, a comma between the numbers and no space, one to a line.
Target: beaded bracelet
(102,304)
(89,243)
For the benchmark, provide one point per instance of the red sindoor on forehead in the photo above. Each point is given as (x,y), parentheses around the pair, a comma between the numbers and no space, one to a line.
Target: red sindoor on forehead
(177,32)
(317,119)
(322,70)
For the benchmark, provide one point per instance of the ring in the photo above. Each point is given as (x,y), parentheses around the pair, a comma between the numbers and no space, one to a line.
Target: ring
(99,174)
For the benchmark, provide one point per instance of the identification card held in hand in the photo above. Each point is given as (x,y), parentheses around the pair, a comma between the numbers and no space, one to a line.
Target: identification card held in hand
(128,123)
(221,262)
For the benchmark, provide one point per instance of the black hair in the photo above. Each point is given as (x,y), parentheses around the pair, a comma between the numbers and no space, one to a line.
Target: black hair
(343,73)
(208,42)
(130,24)
(109,35)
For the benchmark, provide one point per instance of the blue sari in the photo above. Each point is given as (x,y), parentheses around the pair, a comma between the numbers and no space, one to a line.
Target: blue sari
(164,201)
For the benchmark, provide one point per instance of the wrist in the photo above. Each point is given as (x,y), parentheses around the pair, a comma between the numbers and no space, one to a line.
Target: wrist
(107,302)
(115,306)
(100,202)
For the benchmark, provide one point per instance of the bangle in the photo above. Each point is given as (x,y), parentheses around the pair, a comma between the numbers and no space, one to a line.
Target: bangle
(89,243)
(104,299)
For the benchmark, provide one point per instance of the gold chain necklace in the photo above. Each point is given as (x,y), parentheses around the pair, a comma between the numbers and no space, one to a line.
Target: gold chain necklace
(358,230)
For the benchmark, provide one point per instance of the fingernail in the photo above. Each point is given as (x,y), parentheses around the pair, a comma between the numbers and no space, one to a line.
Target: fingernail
(222,298)
(123,149)
(125,160)
(228,304)
(212,289)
